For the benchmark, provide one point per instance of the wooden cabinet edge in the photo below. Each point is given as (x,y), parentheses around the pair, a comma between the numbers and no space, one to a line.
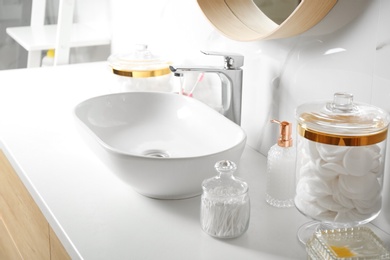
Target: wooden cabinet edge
(57,250)
(23,219)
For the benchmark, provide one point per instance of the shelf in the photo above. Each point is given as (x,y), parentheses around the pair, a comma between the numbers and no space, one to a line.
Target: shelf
(36,38)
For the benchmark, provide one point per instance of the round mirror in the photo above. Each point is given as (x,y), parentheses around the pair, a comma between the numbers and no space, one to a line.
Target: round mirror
(277,10)
(243,20)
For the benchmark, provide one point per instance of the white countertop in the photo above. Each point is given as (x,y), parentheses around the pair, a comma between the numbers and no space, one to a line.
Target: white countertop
(94,214)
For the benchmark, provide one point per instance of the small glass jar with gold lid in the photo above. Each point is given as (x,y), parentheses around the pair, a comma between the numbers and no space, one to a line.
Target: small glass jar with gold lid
(340,160)
(140,70)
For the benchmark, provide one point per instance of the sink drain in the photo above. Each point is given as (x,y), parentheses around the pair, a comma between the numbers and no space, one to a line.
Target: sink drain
(156,154)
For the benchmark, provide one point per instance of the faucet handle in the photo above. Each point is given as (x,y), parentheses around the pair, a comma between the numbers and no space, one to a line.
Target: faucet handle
(232,60)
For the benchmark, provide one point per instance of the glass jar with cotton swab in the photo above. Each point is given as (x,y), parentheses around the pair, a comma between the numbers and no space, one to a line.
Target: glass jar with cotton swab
(225,203)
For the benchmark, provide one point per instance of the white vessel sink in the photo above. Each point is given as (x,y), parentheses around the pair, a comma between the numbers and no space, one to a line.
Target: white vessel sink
(163,145)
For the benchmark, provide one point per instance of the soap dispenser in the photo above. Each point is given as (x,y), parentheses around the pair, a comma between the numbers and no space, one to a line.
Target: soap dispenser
(281,159)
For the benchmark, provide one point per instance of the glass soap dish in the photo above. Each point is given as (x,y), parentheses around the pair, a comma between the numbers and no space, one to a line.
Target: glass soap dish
(356,243)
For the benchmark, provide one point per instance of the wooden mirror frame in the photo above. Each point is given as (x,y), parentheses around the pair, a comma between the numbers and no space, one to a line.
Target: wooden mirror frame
(242,20)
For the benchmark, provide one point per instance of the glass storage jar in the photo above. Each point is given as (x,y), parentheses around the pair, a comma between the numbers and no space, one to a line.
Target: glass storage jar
(140,70)
(340,161)
(225,204)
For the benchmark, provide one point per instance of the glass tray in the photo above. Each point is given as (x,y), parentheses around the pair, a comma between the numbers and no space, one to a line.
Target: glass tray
(347,243)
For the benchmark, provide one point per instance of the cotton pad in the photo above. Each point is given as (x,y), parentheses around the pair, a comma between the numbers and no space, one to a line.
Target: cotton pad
(364,187)
(359,161)
(331,153)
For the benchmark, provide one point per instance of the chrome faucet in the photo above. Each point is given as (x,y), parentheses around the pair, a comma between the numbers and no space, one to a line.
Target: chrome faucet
(231,81)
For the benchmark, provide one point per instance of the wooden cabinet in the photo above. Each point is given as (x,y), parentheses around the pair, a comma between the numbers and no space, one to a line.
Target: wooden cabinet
(25,232)
(8,249)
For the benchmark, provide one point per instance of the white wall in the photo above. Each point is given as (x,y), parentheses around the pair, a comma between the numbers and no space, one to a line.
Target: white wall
(348,51)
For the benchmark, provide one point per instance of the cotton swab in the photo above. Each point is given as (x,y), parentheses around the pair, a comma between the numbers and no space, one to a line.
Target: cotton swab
(200,78)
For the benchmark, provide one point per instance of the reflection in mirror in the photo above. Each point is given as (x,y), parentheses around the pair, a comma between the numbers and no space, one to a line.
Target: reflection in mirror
(277,10)
(244,21)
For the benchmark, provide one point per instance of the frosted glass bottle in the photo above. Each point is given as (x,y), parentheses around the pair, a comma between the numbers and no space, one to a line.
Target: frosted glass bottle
(281,159)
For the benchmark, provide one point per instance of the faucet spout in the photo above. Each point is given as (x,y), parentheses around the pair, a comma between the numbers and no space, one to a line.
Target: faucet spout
(231,82)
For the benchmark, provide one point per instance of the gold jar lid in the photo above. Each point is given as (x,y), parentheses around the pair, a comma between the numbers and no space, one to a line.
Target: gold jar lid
(139,64)
(342,122)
